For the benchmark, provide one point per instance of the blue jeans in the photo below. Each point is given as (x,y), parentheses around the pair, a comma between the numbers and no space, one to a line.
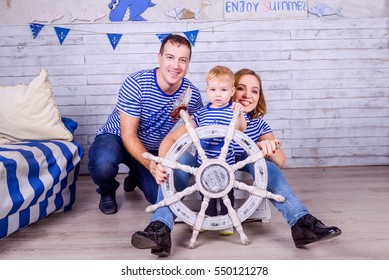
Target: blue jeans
(181,181)
(292,209)
(105,155)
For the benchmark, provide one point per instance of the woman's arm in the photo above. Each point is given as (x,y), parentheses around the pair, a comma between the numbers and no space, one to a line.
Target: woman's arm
(271,148)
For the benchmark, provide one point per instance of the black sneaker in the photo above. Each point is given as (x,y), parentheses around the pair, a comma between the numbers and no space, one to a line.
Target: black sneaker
(130,183)
(308,229)
(108,204)
(156,236)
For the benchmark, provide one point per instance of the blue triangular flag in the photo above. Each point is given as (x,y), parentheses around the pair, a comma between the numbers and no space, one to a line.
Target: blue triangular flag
(61,33)
(191,35)
(162,37)
(35,29)
(114,39)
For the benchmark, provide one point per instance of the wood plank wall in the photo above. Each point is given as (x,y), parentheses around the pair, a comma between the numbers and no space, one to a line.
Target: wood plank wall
(326,80)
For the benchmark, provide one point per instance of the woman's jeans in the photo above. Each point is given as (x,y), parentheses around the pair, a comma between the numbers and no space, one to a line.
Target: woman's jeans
(292,209)
(105,155)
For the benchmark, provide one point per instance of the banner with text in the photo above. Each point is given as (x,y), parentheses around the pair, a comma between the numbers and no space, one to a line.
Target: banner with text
(254,9)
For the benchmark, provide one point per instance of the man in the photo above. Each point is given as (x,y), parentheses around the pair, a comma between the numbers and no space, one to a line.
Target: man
(140,121)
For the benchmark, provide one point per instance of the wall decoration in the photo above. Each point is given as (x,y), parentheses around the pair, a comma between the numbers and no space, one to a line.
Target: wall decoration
(35,29)
(192,36)
(119,8)
(87,15)
(252,9)
(17,12)
(61,33)
(114,39)
(46,16)
(161,37)
(179,13)
(323,10)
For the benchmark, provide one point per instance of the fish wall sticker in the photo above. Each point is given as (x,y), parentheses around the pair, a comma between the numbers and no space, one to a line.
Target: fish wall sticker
(182,13)
(323,10)
(179,13)
(119,9)
(46,16)
(87,15)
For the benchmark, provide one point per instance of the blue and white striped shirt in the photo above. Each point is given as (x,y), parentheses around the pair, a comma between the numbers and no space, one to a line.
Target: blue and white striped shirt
(255,129)
(215,116)
(141,97)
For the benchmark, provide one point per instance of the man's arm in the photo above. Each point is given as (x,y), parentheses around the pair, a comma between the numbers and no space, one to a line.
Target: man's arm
(131,141)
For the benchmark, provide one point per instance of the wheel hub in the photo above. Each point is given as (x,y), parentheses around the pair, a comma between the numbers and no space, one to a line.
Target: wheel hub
(214,178)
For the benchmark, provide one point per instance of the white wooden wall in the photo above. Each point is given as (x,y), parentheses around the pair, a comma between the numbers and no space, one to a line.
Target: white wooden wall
(326,80)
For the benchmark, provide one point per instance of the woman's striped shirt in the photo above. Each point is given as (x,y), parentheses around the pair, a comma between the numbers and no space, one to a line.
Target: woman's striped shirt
(255,129)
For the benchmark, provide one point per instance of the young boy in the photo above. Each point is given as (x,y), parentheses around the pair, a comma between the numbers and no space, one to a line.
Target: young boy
(219,111)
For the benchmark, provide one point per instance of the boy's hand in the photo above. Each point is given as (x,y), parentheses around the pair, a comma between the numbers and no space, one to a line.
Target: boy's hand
(237,107)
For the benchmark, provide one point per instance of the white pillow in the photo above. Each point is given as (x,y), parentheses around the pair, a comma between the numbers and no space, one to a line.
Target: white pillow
(29,112)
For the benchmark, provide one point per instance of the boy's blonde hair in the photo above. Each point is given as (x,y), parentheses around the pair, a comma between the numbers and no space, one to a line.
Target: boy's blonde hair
(221,72)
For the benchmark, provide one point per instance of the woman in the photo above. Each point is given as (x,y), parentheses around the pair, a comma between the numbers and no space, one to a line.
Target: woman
(305,227)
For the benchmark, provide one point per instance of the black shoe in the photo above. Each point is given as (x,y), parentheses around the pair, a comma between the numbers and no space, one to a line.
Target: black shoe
(308,229)
(130,183)
(156,237)
(108,204)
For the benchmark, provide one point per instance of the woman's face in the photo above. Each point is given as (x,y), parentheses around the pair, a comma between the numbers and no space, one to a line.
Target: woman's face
(247,92)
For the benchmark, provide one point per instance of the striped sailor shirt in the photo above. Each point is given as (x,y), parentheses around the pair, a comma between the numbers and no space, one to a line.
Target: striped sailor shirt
(215,116)
(255,129)
(141,97)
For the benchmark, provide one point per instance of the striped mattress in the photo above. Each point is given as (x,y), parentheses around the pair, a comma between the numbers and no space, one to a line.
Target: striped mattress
(37,178)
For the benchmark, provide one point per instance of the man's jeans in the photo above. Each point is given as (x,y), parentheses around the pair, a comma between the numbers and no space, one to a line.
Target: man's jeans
(292,209)
(105,155)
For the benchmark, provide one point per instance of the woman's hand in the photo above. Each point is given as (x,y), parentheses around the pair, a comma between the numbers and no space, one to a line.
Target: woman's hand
(269,147)
(158,172)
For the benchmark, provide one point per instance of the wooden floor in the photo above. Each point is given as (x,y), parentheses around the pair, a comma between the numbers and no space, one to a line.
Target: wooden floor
(356,199)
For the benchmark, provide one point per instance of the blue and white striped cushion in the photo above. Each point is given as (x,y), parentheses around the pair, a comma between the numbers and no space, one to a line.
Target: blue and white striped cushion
(37,178)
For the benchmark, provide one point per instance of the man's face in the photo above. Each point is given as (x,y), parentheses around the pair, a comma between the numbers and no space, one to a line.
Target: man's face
(173,62)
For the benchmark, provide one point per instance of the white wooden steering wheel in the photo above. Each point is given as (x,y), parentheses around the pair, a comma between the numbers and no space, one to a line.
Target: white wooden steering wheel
(214,178)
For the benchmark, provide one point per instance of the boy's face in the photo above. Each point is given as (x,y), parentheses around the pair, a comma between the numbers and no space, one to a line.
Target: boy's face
(219,92)
(174,63)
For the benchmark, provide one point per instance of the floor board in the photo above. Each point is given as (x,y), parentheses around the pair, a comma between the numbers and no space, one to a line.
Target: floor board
(356,199)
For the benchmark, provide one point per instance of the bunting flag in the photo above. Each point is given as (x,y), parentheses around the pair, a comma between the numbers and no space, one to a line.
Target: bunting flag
(61,33)
(192,36)
(162,37)
(114,39)
(35,29)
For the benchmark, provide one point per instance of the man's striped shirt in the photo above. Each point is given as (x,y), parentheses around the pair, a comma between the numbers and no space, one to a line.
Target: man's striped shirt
(141,97)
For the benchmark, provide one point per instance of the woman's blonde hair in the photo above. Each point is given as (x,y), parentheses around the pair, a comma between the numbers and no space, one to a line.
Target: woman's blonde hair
(260,109)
